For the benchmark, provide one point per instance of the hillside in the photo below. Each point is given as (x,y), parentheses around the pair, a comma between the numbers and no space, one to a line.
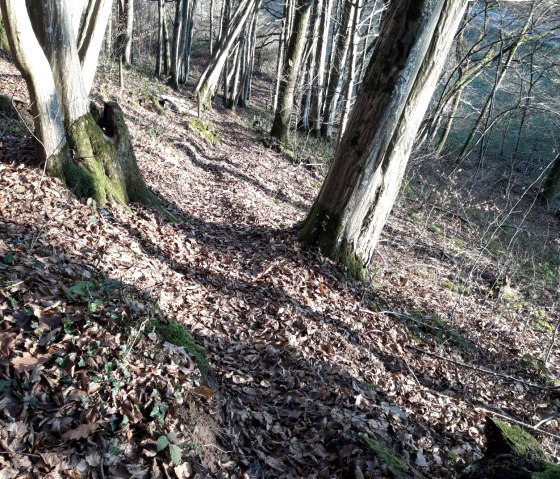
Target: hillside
(297,371)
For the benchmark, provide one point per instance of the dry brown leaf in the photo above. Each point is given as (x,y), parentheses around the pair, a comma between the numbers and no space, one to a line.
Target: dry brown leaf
(81,432)
(206,392)
(27,362)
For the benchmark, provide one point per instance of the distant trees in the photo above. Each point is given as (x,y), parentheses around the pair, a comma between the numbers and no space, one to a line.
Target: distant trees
(210,77)
(497,97)
(57,56)
(362,183)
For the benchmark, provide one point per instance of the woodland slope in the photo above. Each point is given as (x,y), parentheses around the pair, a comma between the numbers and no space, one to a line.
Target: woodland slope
(304,373)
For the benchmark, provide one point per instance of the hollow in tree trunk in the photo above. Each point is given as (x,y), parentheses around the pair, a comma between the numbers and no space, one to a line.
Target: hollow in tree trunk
(91,153)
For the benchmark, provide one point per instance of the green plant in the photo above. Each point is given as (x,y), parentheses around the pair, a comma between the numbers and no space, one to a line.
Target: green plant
(169,442)
(386,456)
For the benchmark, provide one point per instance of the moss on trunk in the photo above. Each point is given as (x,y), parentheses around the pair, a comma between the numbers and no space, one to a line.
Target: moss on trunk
(321,229)
(4,45)
(511,453)
(99,160)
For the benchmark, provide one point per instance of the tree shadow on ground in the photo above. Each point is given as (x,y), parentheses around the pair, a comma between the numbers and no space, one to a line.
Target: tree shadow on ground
(278,327)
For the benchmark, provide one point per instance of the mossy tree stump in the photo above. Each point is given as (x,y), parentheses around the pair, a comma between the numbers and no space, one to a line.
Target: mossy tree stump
(511,453)
(99,161)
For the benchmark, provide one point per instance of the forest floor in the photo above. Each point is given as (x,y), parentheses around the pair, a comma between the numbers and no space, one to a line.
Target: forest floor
(305,373)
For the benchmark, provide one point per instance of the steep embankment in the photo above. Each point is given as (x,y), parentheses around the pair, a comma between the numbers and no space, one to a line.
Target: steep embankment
(311,374)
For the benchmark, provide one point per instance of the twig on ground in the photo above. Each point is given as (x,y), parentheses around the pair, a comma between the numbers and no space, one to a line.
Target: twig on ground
(517,421)
(483,370)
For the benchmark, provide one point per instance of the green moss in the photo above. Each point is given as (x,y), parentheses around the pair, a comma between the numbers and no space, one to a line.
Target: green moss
(101,164)
(84,171)
(520,441)
(321,229)
(4,45)
(345,255)
(386,456)
(13,130)
(434,229)
(175,333)
(206,129)
(6,105)
(551,471)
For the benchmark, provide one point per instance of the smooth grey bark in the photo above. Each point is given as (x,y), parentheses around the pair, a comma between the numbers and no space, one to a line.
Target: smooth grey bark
(35,69)
(129,13)
(160,45)
(311,71)
(284,34)
(176,45)
(363,182)
(318,93)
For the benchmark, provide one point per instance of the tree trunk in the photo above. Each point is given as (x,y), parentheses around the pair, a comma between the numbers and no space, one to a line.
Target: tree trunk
(160,47)
(351,76)
(208,81)
(211,43)
(551,186)
(336,71)
(176,46)
(4,45)
(166,45)
(290,71)
(319,92)
(280,54)
(304,121)
(90,38)
(129,13)
(93,156)
(362,184)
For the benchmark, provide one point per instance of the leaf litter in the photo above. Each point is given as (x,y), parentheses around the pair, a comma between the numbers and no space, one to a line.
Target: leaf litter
(312,375)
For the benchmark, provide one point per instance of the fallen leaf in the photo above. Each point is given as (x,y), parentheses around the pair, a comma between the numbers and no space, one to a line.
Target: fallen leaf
(82,431)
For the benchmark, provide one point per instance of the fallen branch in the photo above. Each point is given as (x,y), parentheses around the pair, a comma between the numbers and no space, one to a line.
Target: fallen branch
(483,370)
(517,421)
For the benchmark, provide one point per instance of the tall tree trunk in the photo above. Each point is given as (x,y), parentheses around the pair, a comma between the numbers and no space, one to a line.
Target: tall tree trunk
(209,78)
(35,69)
(90,38)
(362,184)
(336,72)
(351,76)
(176,46)
(129,13)
(160,47)
(4,45)
(93,156)
(290,71)
(211,43)
(319,91)
(166,46)
(281,53)
(309,84)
